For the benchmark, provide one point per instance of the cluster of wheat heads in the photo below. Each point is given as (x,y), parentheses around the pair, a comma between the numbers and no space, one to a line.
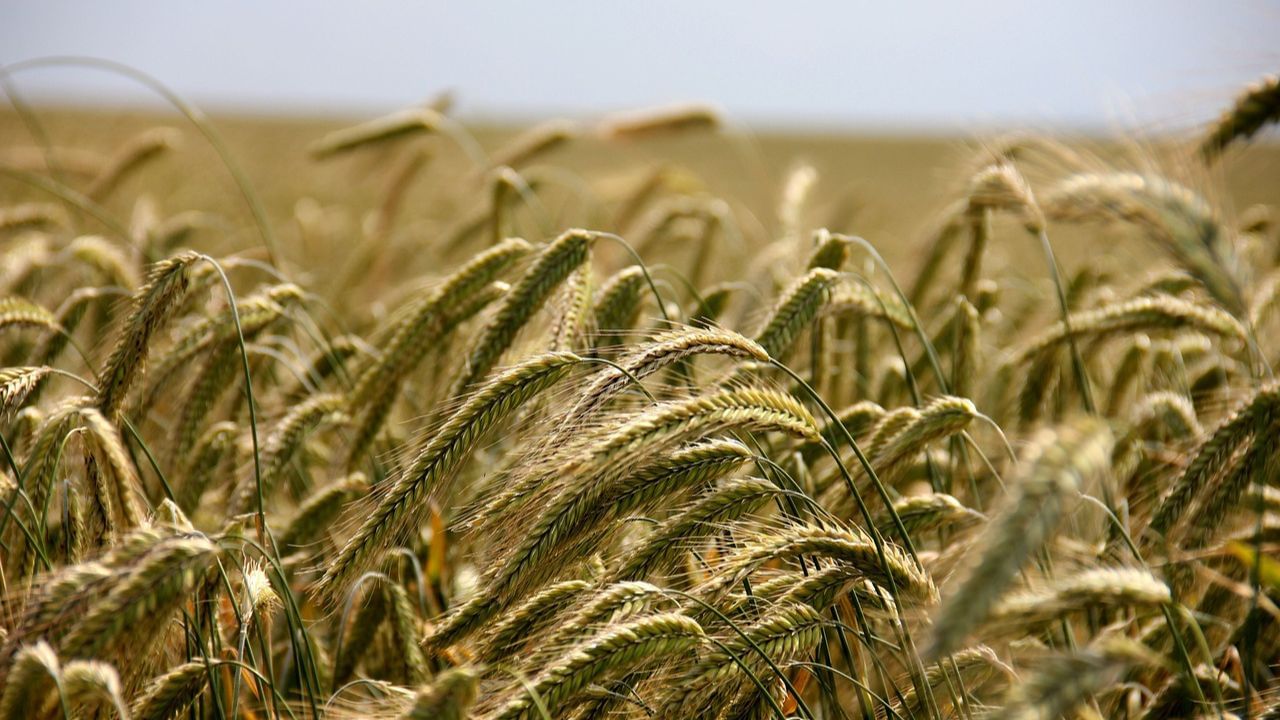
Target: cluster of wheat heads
(623,472)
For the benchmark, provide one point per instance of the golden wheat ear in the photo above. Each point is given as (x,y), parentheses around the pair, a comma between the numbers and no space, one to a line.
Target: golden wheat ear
(381,130)
(659,121)
(401,507)
(609,654)
(152,307)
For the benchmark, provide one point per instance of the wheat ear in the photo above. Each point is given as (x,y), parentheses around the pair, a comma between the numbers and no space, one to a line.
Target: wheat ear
(555,263)
(1253,415)
(153,305)
(1052,470)
(158,585)
(795,310)
(32,674)
(1257,106)
(377,131)
(1063,682)
(644,641)
(723,503)
(400,507)
(135,153)
(529,619)
(167,696)
(449,696)
(661,121)
(1092,589)
(281,446)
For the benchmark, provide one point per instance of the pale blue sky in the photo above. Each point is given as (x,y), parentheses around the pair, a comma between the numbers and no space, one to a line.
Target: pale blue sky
(882,64)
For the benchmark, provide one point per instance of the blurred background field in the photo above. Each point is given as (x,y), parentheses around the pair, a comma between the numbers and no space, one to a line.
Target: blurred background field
(891,189)
(890,104)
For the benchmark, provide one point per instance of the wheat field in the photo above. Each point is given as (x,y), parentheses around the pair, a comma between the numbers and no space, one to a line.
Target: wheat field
(644,416)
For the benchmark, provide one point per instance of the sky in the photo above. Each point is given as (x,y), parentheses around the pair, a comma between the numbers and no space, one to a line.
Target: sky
(831,64)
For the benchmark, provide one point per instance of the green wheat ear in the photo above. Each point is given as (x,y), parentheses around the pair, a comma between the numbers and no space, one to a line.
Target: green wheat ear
(551,267)
(1055,468)
(1257,106)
